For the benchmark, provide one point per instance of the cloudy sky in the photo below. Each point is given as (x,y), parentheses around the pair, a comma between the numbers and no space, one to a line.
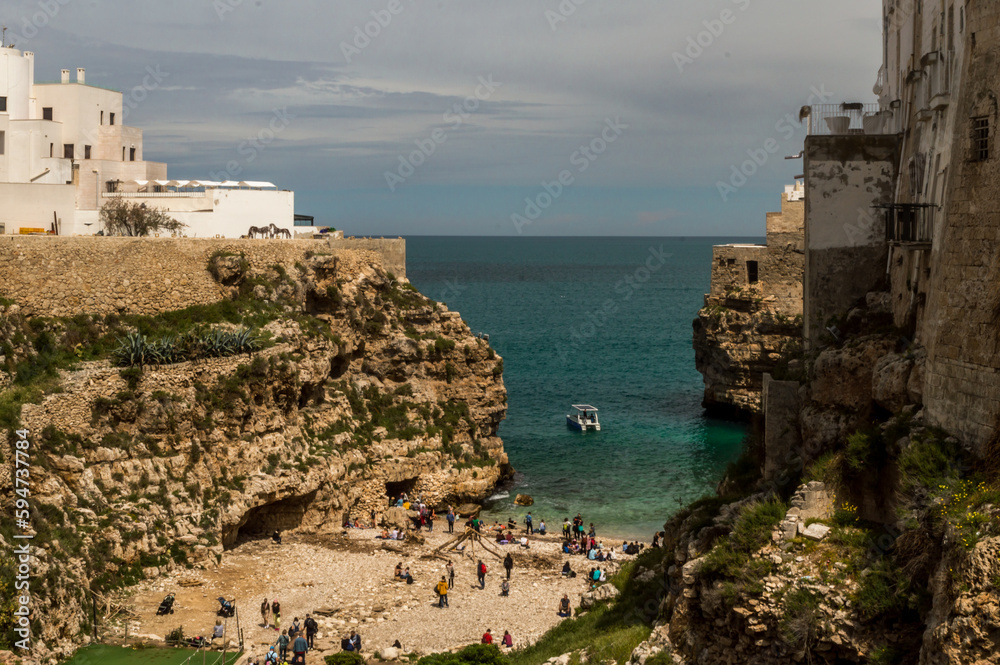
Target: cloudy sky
(462,116)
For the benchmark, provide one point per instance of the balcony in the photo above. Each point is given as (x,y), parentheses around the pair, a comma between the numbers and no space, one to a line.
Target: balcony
(846,119)
(909,224)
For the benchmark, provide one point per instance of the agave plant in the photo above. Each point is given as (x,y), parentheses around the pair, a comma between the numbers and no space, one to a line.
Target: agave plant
(132,350)
(246,341)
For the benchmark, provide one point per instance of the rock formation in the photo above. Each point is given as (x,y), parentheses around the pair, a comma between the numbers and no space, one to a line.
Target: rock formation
(364,388)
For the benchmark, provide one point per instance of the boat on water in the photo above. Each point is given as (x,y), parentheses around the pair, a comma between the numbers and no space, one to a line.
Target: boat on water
(584,419)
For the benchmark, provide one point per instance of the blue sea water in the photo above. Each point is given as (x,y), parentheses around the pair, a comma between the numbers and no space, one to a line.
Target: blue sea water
(601,321)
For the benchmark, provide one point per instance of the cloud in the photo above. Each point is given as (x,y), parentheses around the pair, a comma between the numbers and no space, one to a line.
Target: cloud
(230,71)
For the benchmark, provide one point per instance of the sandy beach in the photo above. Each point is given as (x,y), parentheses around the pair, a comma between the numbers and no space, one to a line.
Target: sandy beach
(349,579)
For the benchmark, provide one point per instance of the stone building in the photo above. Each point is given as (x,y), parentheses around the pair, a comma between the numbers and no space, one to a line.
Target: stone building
(64,152)
(753,310)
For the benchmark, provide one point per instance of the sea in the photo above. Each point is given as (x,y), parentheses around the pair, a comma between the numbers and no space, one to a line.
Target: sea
(598,321)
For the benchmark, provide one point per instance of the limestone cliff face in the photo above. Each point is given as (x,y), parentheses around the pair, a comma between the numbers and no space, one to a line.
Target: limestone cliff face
(736,341)
(366,387)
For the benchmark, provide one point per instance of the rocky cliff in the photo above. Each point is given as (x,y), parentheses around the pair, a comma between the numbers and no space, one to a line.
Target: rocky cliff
(737,340)
(361,387)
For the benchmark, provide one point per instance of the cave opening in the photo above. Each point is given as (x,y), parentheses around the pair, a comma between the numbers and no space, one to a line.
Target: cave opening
(397,488)
(262,521)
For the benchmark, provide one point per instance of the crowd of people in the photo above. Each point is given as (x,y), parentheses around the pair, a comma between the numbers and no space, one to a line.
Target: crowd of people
(294,642)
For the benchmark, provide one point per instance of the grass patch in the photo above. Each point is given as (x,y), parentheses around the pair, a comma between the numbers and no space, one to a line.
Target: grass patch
(799,624)
(732,558)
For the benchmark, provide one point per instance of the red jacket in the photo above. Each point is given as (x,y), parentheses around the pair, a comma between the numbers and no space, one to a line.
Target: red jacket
(487,638)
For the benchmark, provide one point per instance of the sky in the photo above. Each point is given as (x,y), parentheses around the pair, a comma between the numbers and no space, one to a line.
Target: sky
(468,117)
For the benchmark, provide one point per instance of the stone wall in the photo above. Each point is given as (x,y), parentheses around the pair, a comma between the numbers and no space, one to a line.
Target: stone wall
(962,391)
(392,251)
(845,240)
(65,276)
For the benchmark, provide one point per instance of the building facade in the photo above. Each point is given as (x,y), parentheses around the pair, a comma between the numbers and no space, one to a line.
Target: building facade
(64,152)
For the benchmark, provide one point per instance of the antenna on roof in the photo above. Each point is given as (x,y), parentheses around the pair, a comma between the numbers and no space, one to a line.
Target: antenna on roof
(3,36)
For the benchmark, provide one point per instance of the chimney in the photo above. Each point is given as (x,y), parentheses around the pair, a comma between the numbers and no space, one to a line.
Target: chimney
(65,76)
(81,75)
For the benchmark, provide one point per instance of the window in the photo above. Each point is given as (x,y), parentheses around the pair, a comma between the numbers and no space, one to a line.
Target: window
(752,276)
(68,151)
(86,152)
(102,117)
(3,104)
(2,141)
(112,118)
(112,186)
(47,113)
(52,150)
(980,139)
(123,153)
(131,154)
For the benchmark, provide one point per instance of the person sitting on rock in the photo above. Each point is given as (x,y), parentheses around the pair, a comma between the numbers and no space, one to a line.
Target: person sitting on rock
(563,609)
(276,537)
(406,576)
(218,631)
(566,570)
(384,535)
(504,588)
(541,528)
(399,570)
(524,542)
(507,640)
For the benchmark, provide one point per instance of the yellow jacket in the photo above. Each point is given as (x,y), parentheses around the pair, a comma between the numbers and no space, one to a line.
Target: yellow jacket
(442,588)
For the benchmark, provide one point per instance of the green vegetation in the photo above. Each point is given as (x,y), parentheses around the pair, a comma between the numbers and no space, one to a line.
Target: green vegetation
(135,350)
(609,631)
(344,658)
(731,559)
(475,654)
(800,620)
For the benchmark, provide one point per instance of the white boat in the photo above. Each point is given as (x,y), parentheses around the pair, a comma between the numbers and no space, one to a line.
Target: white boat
(584,419)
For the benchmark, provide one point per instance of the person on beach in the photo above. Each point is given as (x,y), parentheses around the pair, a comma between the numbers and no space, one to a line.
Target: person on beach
(283,641)
(488,636)
(508,564)
(294,629)
(563,609)
(219,631)
(451,520)
(541,528)
(528,524)
(276,537)
(276,613)
(481,573)
(352,643)
(592,534)
(442,590)
(407,577)
(311,629)
(271,658)
(524,542)
(507,640)
(504,588)
(566,570)
(399,570)
(265,612)
(565,528)
(450,567)
(656,539)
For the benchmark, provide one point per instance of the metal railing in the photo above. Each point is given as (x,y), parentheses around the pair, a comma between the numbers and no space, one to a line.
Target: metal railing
(909,223)
(153,195)
(847,118)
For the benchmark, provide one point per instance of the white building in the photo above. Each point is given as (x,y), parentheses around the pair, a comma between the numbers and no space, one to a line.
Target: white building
(64,152)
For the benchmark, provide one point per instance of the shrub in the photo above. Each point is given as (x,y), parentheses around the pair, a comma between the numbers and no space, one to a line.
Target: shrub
(732,557)
(176,636)
(800,621)
(344,658)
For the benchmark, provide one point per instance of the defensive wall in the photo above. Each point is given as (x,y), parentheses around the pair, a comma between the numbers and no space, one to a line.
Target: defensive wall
(66,276)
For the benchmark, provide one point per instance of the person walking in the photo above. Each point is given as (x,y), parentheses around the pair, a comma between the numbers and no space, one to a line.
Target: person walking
(265,613)
(481,573)
(311,629)
(283,646)
(528,525)
(508,563)
(450,567)
(442,590)
(276,613)
(299,648)
(451,520)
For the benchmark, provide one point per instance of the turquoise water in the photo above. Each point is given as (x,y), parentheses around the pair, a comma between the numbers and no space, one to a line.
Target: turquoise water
(601,321)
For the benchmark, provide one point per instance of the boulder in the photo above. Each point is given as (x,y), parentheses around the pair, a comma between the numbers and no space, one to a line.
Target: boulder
(603,592)
(815,531)
(397,517)
(843,376)
(524,500)
(468,510)
(389,653)
(890,380)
